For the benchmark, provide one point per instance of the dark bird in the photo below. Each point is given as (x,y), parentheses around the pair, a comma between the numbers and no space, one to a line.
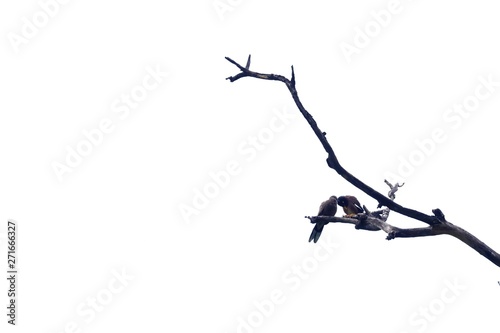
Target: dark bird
(327,208)
(350,205)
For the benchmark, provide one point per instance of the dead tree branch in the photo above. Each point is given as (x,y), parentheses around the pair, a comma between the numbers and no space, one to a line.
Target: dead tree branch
(437,224)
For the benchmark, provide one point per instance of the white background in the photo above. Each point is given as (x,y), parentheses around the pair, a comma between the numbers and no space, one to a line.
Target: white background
(119,210)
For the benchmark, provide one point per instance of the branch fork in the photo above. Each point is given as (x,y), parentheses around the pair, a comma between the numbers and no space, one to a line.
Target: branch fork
(376,220)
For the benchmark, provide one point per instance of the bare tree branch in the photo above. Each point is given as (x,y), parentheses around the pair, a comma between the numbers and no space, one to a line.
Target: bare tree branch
(332,159)
(437,224)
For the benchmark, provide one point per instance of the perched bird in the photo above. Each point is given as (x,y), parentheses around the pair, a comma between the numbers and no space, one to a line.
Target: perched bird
(350,205)
(327,208)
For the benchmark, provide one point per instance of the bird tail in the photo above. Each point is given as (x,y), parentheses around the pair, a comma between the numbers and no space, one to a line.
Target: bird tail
(316,232)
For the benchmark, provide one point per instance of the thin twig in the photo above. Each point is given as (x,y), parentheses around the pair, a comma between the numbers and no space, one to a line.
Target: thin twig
(437,222)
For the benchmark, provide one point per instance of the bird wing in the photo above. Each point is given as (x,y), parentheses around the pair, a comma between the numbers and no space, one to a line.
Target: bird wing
(358,207)
(322,208)
(328,208)
(355,203)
